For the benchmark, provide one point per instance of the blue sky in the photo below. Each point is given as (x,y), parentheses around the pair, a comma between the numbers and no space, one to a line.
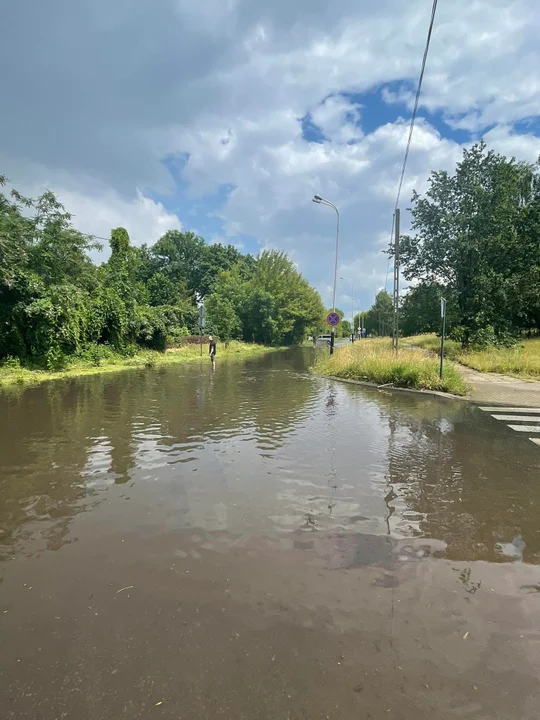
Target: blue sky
(226,116)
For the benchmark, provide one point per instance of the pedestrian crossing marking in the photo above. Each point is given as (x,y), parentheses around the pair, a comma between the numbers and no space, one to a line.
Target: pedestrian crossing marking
(521,418)
(502,408)
(519,415)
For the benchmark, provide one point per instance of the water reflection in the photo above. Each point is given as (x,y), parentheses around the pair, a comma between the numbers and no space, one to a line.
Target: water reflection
(262,448)
(65,440)
(260,543)
(462,480)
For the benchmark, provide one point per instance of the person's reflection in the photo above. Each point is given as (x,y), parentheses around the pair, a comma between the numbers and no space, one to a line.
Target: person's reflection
(330,402)
(330,411)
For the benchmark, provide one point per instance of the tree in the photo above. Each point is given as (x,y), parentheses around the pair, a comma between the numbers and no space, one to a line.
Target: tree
(54,302)
(360,321)
(215,258)
(224,304)
(380,317)
(272,302)
(420,310)
(346,328)
(477,232)
(180,255)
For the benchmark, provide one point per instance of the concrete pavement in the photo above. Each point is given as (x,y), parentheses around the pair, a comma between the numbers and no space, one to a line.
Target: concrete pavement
(494,389)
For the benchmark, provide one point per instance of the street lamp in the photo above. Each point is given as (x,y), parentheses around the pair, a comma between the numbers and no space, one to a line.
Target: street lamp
(352,305)
(319,200)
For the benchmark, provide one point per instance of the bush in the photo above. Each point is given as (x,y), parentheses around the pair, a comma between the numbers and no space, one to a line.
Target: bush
(11,363)
(177,336)
(55,359)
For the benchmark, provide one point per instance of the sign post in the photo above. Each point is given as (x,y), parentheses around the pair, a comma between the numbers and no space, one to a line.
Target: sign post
(443,316)
(202,315)
(333,320)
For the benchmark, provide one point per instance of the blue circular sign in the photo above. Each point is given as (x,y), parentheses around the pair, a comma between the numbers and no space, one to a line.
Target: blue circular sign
(333,319)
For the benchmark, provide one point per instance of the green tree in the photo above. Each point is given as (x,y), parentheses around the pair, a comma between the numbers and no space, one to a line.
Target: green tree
(380,317)
(272,302)
(346,328)
(225,303)
(477,233)
(54,302)
(180,256)
(360,320)
(214,259)
(420,310)
(45,276)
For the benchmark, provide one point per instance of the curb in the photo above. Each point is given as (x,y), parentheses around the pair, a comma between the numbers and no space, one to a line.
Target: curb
(433,393)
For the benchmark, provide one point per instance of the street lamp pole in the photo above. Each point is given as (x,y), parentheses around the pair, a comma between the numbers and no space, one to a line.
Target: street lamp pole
(352,305)
(322,201)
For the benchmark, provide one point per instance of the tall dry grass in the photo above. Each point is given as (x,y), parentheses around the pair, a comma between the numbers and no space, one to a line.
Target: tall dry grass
(523,360)
(374,361)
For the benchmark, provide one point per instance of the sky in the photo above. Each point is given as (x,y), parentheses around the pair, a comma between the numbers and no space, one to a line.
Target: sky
(225,117)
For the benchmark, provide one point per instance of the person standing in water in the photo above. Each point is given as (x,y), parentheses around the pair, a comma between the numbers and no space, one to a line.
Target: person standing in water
(212,351)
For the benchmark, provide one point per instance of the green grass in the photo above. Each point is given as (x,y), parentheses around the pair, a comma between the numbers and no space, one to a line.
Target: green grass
(106,360)
(374,361)
(522,361)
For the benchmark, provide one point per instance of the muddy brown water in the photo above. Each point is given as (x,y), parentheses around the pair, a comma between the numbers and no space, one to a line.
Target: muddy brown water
(260,543)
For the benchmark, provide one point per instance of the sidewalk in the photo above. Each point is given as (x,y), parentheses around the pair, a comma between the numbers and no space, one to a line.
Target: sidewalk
(493,389)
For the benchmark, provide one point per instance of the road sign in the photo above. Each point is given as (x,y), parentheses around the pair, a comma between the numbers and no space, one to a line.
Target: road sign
(202,315)
(443,307)
(333,319)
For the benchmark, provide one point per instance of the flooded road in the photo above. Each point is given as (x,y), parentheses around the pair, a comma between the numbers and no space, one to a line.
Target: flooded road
(260,543)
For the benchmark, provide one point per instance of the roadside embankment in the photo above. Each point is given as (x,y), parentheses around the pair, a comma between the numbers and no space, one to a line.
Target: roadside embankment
(374,361)
(522,360)
(99,359)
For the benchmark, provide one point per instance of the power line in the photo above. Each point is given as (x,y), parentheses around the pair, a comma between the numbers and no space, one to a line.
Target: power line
(78,232)
(418,90)
(411,127)
(97,237)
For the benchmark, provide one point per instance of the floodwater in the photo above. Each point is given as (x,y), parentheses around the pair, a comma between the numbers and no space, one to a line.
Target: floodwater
(261,543)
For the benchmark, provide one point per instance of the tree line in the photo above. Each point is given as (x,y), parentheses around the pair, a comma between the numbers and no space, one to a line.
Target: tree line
(475,241)
(56,303)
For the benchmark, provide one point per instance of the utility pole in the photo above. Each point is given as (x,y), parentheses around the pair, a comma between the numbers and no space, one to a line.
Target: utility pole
(395,334)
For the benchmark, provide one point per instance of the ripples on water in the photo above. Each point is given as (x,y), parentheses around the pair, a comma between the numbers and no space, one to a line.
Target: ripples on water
(263,448)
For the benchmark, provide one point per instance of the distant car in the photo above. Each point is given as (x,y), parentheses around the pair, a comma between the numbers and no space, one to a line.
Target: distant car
(324,339)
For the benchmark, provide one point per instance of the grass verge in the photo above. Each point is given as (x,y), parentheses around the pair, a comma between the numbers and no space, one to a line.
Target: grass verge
(106,360)
(374,361)
(522,361)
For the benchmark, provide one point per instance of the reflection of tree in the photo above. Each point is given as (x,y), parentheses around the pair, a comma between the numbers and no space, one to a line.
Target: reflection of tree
(64,438)
(44,435)
(257,397)
(459,484)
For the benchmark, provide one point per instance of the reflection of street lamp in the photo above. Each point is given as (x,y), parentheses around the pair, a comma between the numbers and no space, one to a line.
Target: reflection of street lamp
(352,305)
(319,200)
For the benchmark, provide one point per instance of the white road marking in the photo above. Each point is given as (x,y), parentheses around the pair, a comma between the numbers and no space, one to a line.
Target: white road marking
(520,415)
(502,408)
(520,418)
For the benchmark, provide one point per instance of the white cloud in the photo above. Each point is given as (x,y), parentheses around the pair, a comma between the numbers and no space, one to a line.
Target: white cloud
(338,119)
(97,209)
(523,146)
(226,82)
